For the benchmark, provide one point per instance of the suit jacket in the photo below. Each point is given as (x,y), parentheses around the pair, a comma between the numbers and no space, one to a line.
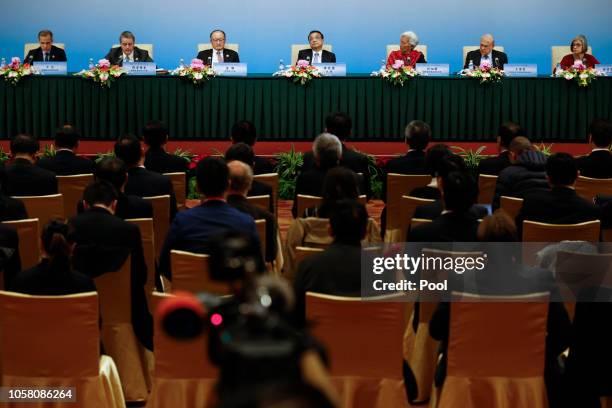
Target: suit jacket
(449,227)
(10,262)
(66,163)
(598,164)
(494,165)
(11,209)
(103,243)
(115,56)
(258,189)
(22,178)
(499,59)
(263,166)
(128,207)
(326,56)
(431,211)
(36,55)
(241,204)
(309,182)
(160,161)
(41,281)
(228,55)
(144,183)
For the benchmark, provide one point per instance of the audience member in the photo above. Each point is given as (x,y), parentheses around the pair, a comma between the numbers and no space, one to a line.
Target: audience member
(10,262)
(11,208)
(494,165)
(598,164)
(244,131)
(22,177)
(435,163)
(66,162)
(156,157)
(339,183)
(244,153)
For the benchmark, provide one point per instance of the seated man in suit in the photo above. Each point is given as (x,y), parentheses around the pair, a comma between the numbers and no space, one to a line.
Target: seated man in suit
(11,208)
(127,52)
(66,162)
(47,51)
(220,54)
(156,157)
(598,164)
(103,243)
(316,54)
(142,182)
(22,177)
(244,131)
(486,54)
(494,165)
(244,153)
(193,230)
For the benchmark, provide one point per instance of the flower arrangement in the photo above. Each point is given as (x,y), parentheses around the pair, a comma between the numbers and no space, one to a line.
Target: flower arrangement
(14,71)
(397,74)
(471,157)
(196,72)
(103,73)
(301,73)
(486,73)
(579,73)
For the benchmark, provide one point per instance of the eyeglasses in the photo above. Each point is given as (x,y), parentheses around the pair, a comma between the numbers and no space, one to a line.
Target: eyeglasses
(218,39)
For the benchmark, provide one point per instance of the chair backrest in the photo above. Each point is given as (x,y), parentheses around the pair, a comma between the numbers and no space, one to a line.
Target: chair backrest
(261,201)
(29,241)
(376,336)
(542,232)
(397,186)
(306,201)
(486,188)
(191,272)
(68,325)
(30,46)
(576,271)
(511,205)
(179,184)
(45,208)
(415,222)
(161,220)
(559,51)
(146,47)
(270,179)
(408,205)
(147,236)
(115,292)
(395,47)
(229,46)
(302,253)
(296,48)
(71,187)
(261,230)
(468,48)
(588,188)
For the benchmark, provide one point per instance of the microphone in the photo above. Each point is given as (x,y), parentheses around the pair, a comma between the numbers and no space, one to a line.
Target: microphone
(209,61)
(497,62)
(30,58)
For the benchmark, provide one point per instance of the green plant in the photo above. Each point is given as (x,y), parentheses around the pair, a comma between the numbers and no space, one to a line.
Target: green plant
(104,155)
(288,165)
(4,156)
(192,189)
(546,150)
(184,154)
(376,175)
(49,151)
(471,157)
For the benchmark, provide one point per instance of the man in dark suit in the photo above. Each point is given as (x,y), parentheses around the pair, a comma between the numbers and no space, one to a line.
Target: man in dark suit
(218,52)
(127,51)
(22,177)
(494,165)
(486,54)
(156,157)
(47,51)
(316,54)
(11,208)
(10,262)
(142,182)
(598,164)
(244,153)
(66,162)
(244,131)
(103,243)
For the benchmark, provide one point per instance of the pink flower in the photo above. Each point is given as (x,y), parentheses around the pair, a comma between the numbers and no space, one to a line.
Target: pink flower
(15,62)
(579,65)
(485,65)
(303,64)
(104,63)
(398,64)
(197,64)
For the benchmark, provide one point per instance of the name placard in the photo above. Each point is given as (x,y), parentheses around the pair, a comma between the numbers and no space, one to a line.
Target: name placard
(331,69)
(230,69)
(605,68)
(139,68)
(434,70)
(51,67)
(521,70)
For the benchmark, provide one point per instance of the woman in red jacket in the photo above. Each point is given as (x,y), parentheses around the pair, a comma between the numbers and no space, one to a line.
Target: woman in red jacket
(407,52)
(579,48)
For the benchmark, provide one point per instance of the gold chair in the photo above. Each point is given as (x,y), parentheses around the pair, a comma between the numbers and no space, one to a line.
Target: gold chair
(54,341)
(45,208)
(511,205)
(190,272)
(374,378)
(588,188)
(262,201)
(29,241)
(161,220)
(71,187)
(486,188)
(179,184)
(261,230)
(270,179)
(408,206)
(415,222)
(399,185)
(147,236)
(306,201)
(302,253)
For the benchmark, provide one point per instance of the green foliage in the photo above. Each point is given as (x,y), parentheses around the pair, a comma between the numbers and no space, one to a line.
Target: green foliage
(546,150)
(471,157)
(288,165)
(192,189)
(376,175)
(4,156)
(49,151)
(102,156)
(184,154)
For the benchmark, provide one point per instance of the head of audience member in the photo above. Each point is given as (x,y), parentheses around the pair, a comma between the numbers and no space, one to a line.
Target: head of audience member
(56,247)
(212,177)
(339,124)
(242,152)
(498,227)
(126,42)
(315,39)
(244,131)
(67,137)
(129,149)
(507,132)
(24,146)
(348,222)
(155,134)
(100,194)
(408,41)
(240,178)
(487,42)
(459,191)
(600,133)
(417,135)
(517,146)
(339,183)
(327,150)
(45,40)
(561,170)
(434,157)
(112,170)
(448,164)
(217,39)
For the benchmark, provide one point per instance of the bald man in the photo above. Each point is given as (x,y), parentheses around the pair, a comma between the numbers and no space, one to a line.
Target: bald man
(486,54)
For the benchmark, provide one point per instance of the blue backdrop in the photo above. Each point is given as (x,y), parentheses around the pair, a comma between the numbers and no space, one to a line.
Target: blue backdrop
(357,29)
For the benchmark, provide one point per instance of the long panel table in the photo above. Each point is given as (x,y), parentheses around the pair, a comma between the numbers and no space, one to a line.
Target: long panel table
(457,108)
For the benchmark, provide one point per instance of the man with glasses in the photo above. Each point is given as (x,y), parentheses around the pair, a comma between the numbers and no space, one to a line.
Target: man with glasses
(218,52)
(47,51)
(127,51)
(486,55)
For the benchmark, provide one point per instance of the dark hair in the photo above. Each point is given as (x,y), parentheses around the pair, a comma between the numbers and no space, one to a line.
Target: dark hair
(212,176)
(242,152)
(217,31)
(434,157)
(315,31)
(128,149)
(349,221)
(417,134)
(44,33)
(339,124)
(499,227)
(127,34)
(99,192)
(508,131)
(55,241)
(24,143)
(67,136)
(561,169)
(601,132)
(112,170)
(460,191)
(155,134)
(244,131)
(452,162)
(339,183)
